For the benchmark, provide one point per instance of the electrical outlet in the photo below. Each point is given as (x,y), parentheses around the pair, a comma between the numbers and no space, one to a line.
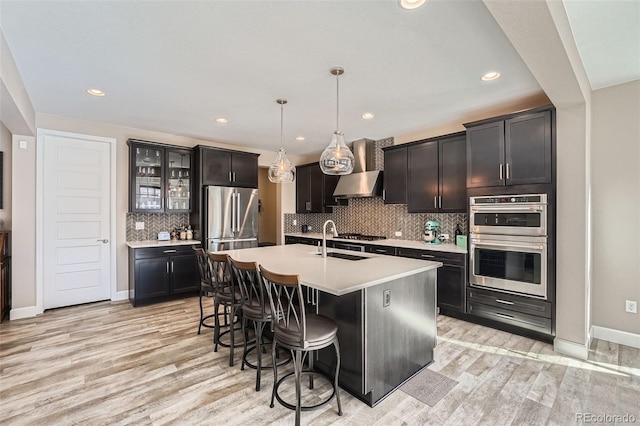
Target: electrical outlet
(23,144)
(398,233)
(631,306)
(295,222)
(139,226)
(443,237)
(386,298)
(309,227)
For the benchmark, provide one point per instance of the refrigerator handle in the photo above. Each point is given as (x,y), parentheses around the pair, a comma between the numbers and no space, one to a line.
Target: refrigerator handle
(238,213)
(233,212)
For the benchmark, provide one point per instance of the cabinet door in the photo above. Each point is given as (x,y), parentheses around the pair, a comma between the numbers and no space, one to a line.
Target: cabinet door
(395,176)
(152,277)
(485,155)
(178,181)
(330,183)
(146,178)
(303,187)
(216,167)
(528,149)
(423,177)
(451,288)
(453,175)
(316,188)
(245,170)
(184,273)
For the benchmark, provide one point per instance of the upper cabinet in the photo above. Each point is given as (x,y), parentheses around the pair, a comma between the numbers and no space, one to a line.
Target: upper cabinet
(160,178)
(437,175)
(314,190)
(510,151)
(395,175)
(228,168)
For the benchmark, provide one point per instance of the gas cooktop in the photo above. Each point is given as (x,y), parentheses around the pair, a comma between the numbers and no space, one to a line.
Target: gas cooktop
(354,236)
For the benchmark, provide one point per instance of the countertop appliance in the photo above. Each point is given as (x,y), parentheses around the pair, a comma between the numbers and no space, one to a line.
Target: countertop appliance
(431,232)
(508,244)
(231,218)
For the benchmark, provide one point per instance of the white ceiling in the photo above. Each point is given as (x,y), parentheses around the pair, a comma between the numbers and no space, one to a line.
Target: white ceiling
(175,66)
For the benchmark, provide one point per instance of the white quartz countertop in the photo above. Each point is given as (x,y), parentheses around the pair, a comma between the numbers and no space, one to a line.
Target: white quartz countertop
(420,245)
(156,243)
(332,275)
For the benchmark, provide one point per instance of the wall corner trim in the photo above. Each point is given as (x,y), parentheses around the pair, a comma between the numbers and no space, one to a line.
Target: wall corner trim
(567,347)
(616,336)
(26,312)
(120,295)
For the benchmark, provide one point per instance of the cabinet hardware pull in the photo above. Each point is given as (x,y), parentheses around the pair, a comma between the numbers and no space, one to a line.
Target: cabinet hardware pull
(505,302)
(384,195)
(230,176)
(428,256)
(167,267)
(440,201)
(380,251)
(435,201)
(170,251)
(498,314)
(105,241)
(508,172)
(501,169)
(172,266)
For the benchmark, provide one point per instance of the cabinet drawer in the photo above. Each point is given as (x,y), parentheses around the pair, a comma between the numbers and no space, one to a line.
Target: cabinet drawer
(517,319)
(390,251)
(511,302)
(457,259)
(149,252)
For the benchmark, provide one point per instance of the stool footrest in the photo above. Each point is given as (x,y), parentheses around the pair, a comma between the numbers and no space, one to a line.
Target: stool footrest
(305,407)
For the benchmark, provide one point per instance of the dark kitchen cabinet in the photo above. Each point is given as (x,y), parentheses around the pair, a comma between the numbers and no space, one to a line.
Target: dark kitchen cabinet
(160,178)
(395,175)
(451,276)
(160,273)
(513,150)
(437,175)
(228,168)
(314,190)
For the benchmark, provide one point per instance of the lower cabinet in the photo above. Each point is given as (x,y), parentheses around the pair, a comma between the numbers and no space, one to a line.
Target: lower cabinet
(159,273)
(451,276)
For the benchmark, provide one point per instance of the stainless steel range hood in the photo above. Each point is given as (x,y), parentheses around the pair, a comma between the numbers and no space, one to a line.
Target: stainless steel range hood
(364,181)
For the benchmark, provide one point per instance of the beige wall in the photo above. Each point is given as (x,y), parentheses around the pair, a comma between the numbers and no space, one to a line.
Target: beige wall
(267,222)
(616,205)
(5,147)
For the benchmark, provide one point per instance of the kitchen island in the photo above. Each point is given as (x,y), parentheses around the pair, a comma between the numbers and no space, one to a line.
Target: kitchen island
(385,308)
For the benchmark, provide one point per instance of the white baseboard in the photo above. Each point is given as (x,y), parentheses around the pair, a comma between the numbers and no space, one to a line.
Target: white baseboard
(120,295)
(26,312)
(567,347)
(616,336)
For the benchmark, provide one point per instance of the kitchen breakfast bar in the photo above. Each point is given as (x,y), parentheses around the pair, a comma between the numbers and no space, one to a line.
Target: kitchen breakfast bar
(385,309)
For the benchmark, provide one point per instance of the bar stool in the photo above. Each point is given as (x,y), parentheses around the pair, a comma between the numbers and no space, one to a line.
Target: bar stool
(255,308)
(227,295)
(301,332)
(206,285)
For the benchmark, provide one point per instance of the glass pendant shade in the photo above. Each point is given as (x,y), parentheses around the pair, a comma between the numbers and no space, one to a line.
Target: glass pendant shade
(337,158)
(281,170)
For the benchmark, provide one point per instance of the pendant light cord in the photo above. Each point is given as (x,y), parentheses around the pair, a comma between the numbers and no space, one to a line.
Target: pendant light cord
(337,102)
(281,124)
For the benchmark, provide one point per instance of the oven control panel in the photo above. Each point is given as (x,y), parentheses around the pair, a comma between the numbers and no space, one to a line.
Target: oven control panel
(510,199)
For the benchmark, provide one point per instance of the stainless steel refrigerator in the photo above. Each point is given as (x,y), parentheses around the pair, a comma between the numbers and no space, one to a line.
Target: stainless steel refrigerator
(231,218)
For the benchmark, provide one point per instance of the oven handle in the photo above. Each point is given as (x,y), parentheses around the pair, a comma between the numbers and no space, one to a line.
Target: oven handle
(509,245)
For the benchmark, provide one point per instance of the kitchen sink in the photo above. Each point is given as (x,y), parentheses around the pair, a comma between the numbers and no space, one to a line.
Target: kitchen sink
(344,256)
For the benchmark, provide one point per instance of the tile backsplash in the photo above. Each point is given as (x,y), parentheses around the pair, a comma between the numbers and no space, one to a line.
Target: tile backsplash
(372,217)
(153,223)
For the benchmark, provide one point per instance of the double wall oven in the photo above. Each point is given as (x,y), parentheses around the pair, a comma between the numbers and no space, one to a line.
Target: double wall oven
(508,244)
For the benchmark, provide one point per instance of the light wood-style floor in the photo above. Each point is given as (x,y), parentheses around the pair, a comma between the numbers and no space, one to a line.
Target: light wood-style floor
(109,363)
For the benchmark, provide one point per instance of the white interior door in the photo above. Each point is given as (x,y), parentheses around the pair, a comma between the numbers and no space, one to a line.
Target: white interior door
(76,219)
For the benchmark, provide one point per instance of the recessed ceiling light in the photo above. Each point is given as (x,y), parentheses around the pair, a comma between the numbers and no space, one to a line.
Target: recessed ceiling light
(411,4)
(222,120)
(367,116)
(491,76)
(300,138)
(95,92)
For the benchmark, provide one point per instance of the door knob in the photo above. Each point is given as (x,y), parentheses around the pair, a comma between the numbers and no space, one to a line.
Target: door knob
(105,241)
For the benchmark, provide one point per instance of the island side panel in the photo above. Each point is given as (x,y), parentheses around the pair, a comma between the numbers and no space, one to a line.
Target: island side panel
(400,337)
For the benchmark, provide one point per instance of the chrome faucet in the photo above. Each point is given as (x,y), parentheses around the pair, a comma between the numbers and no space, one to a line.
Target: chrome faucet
(324,236)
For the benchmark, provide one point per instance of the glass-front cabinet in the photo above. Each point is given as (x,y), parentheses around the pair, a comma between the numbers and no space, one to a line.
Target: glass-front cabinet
(160,178)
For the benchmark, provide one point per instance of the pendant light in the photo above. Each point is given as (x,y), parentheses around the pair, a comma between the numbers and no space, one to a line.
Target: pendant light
(337,158)
(281,170)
